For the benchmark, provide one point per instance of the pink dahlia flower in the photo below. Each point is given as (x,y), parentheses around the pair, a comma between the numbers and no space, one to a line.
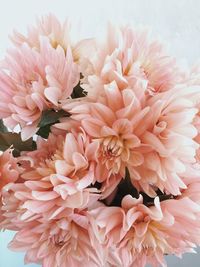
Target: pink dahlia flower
(49,26)
(56,179)
(32,81)
(64,242)
(140,234)
(154,139)
(58,34)
(126,57)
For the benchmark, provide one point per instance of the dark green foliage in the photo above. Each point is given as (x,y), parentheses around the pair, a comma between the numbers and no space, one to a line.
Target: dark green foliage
(78,92)
(8,140)
(3,128)
(125,187)
(50,117)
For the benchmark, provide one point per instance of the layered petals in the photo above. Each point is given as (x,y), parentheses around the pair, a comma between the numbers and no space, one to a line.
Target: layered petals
(33,81)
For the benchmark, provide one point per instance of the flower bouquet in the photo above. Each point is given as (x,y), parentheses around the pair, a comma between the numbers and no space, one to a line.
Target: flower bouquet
(104,170)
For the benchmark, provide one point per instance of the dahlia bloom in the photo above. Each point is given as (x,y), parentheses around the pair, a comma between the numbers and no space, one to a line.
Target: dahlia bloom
(141,122)
(140,234)
(49,26)
(126,56)
(64,242)
(32,81)
(153,139)
(57,176)
(58,35)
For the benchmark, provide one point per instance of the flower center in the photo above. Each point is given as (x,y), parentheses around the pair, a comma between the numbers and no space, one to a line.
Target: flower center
(58,240)
(112,151)
(112,147)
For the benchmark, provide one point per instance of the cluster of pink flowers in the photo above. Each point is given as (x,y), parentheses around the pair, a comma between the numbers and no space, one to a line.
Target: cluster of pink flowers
(115,180)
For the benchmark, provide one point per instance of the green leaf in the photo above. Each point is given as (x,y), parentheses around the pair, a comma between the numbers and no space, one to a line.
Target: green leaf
(149,201)
(51,117)
(78,91)
(14,139)
(44,131)
(125,187)
(3,128)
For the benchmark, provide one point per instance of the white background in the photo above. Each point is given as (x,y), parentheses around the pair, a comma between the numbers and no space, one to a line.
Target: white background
(175,21)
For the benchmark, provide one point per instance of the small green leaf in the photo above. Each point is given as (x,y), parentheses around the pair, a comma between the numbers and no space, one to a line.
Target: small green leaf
(149,201)
(78,91)
(3,128)
(125,187)
(44,131)
(51,117)
(14,139)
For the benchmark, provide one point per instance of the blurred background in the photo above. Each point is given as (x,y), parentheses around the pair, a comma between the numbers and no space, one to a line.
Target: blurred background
(176,22)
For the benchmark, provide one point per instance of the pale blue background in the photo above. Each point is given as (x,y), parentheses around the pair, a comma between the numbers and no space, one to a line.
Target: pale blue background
(176,21)
(9,258)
